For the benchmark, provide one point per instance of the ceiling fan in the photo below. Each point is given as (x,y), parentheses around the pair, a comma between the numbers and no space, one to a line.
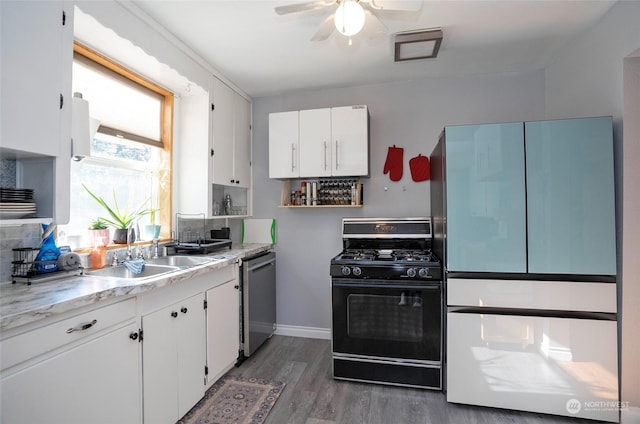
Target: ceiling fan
(350,16)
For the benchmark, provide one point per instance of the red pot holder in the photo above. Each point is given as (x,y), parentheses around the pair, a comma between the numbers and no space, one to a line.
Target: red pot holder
(420,168)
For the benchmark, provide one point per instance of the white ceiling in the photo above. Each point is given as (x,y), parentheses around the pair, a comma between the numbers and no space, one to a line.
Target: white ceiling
(265,54)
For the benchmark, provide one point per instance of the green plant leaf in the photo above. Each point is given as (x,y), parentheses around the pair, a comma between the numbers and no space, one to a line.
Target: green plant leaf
(119,219)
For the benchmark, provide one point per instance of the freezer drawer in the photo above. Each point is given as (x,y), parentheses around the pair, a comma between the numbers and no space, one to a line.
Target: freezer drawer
(561,366)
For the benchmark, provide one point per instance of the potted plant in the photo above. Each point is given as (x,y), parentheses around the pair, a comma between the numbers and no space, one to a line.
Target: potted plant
(119,219)
(98,231)
(152,230)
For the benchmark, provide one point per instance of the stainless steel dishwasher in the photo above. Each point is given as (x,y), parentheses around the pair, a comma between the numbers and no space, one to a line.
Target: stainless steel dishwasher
(258,301)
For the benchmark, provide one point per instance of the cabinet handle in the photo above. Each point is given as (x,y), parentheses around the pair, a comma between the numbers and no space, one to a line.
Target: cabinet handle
(325,155)
(236,287)
(61,100)
(233,181)
(336,154)
(293,148)
(82,327)
(133,336)
(183,310)
(174,314)
(237,181)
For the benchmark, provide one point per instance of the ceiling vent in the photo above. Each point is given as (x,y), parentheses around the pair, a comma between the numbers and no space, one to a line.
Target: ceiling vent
(418,44)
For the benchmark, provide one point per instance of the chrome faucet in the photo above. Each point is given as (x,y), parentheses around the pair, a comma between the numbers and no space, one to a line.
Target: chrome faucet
(155,248)
(130,233)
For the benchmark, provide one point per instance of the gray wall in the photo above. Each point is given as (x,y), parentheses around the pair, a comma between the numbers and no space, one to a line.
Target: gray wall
(409,115)
(588,80)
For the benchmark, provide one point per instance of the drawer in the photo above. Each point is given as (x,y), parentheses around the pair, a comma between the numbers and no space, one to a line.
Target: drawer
(536,364)
(33,343)
(525,294)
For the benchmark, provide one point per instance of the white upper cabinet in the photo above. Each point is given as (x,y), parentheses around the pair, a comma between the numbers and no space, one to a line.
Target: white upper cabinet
(242,141)
(350,141)
(319,143)
(231,137)
(36,76)
(315,143)
(214,150)
(284,160)
(36,66)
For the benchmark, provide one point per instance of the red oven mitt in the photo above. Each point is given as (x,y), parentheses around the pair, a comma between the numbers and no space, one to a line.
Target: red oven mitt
(420,168)
(393,164)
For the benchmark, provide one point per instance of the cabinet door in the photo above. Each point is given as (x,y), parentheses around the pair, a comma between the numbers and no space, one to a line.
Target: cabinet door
(570,196)
(315,143)
(96,382)
(160,366)
(350,141)
(223,98)
(173,358)
(242,141)
(485,198)
(36,83)
(283,145)
(194,157)
(223,328)
(191,347)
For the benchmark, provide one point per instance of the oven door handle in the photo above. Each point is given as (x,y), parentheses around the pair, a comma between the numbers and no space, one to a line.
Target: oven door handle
(359,284)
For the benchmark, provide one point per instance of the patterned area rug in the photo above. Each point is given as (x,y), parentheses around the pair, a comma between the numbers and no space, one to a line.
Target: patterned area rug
(237,400)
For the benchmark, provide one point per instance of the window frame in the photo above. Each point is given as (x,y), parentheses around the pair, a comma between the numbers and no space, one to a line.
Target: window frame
(166,130)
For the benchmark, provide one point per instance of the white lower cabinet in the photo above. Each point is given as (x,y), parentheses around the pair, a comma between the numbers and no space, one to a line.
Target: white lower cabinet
(91,374)
(136,360)
(223,335)
(173,357)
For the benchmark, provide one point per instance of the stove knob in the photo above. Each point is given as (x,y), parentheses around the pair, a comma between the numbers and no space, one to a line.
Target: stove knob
(423,272)
(346,270)
(356,270)
(411,272)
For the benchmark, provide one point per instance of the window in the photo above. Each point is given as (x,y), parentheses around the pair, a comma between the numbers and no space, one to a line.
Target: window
(131,151)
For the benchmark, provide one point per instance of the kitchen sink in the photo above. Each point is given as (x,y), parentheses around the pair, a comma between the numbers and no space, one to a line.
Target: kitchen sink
(180,261)
(149,270)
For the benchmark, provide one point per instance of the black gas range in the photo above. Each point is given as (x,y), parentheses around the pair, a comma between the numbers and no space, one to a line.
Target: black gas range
(387,302)
(390,264)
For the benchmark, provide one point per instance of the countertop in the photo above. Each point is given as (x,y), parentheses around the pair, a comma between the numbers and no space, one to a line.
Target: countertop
(22,304)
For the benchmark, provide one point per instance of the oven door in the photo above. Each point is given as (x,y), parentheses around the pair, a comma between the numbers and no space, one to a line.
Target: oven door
(379,318)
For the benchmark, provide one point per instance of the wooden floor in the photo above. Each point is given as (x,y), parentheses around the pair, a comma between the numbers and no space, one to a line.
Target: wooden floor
(312,396)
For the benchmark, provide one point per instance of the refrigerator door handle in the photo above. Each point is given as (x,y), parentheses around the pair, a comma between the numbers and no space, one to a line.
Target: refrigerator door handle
(602,316)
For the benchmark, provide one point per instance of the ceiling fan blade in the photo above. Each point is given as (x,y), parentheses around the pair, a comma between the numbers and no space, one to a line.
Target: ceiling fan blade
(326,29)
(396,5)
(373,24)
(301,7)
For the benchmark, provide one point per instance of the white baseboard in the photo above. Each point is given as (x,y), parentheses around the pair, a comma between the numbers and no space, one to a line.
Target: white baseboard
(630,415)
(307,332)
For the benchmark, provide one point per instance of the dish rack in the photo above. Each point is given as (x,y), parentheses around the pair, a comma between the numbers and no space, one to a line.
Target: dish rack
(192,237)
(25,267)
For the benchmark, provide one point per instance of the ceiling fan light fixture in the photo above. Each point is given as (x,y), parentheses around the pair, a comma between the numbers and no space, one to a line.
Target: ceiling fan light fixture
(349,17)
(420,44)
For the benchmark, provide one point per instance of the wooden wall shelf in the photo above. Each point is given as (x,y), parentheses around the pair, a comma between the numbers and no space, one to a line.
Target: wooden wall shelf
(330,194)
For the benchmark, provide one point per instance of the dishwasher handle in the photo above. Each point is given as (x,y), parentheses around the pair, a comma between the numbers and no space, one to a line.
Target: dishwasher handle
(261,265)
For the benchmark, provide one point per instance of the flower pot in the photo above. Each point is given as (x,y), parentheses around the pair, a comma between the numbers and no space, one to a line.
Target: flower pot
(120,236)
(96,235)
(151,232)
